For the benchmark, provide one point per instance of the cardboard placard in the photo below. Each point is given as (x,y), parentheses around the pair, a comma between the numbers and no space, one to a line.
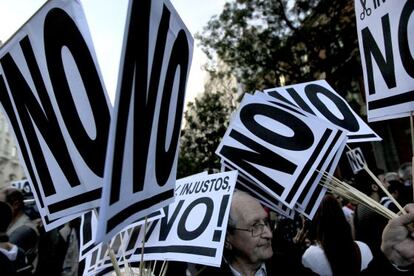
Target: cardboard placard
(141,161)
(385,35)
(60,120)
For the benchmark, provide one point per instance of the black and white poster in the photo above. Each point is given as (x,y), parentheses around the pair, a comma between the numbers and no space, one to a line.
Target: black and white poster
(356,159)
(386,42)
(320,99)
(52,93)
(279,147)
(192,229)
(141,161)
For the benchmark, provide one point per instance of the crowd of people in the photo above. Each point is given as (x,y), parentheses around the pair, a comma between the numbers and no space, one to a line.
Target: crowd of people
(343,238)
(26,249)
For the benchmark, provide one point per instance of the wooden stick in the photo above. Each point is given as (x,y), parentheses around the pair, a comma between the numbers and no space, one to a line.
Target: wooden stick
(375,208)
(165,269)
(372,205)
(141,264)
(155,264)
(162,267)
(345,190)
(114,261)
(379,183)
(127,268)
(412,149)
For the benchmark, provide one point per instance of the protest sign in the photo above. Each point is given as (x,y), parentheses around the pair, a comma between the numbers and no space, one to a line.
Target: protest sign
(386,45)
(142,155)
(321,100)
(194,226)
(278,147)
(24,186)
(356,159)
(311,197)
(192,230)
(255,190)
(60,120)
(89,247)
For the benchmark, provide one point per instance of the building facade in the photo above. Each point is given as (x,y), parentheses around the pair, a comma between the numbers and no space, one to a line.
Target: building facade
(10,168)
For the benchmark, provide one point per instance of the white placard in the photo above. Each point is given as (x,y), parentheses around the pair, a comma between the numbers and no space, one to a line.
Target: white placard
(192,230)
(279,147)
(386,42)
(356,160)
(53,95)
(141,161)
(247,185)
(321,100)
(309,201)
(194,227)
(89,227)
(24,186)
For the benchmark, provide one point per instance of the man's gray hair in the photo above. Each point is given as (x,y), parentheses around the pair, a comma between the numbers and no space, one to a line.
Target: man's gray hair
(232,222)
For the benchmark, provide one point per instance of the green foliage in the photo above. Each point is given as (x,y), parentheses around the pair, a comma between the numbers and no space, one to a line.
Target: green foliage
(303,40)
(206,121)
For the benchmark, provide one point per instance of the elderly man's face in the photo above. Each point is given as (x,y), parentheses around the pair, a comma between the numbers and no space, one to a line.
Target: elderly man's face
(247,212)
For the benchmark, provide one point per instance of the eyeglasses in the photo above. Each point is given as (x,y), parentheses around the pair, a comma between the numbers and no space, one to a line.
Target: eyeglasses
(256,230)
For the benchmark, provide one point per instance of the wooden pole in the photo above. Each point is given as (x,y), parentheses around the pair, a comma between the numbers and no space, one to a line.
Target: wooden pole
(114,261)
(412,150)
(381,185)
(141,264)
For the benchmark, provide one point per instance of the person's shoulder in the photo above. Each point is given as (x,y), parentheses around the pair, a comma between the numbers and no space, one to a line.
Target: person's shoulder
(366,254)
(313,250)
(363,247)
(6,266)
(223,270)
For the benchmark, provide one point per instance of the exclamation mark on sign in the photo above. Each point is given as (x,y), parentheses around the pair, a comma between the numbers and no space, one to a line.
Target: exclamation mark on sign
(223,205)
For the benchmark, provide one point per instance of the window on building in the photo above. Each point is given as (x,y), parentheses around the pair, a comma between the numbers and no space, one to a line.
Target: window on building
(14,152)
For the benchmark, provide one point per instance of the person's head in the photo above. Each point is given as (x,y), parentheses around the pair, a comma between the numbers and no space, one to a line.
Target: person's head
(365,184)
(249,235)
(404,172)
(14,197)
(391,176)
(399,192)
(333,233)
(380,174)
(5,216)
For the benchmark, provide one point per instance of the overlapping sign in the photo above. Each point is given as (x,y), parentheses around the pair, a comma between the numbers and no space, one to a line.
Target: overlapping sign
(24,186)
(281,148)
(192,230)
(385,35)
(89,226)
(321,100)
(245,184)
(53,95)
(142,154)
(356,159)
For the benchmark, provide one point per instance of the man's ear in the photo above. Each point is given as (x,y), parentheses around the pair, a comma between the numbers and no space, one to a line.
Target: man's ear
(227,244)
(374,187)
